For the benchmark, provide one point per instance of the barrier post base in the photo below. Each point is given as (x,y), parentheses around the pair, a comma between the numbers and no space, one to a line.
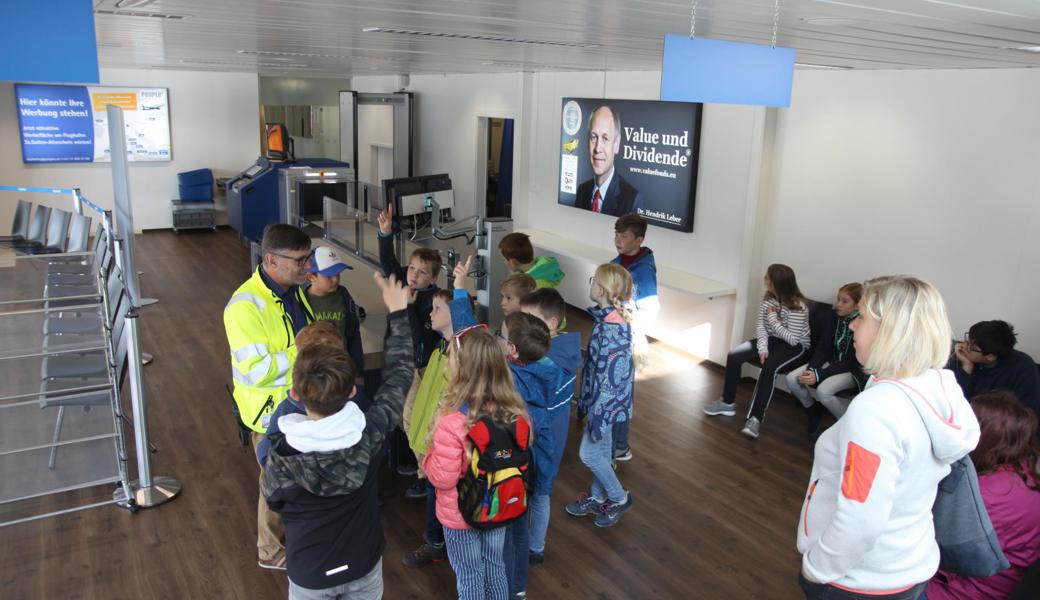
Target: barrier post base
(163,489)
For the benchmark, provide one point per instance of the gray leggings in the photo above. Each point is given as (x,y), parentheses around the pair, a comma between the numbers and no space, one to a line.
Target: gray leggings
(825,392)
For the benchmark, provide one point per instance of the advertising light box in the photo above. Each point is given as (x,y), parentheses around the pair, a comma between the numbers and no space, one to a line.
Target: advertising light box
(68,123)
(631,156)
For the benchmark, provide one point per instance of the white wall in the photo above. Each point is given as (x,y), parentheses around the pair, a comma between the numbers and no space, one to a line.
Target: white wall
(214,123)
(933,173)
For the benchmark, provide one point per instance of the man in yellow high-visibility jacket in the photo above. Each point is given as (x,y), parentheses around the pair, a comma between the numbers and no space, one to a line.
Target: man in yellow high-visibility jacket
(261,320)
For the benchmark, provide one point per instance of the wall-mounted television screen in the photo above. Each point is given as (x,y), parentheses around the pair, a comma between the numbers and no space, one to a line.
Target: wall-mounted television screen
(69,123)
(631,156)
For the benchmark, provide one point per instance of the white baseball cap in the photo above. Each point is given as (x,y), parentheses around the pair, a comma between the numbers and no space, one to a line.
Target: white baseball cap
(327,262)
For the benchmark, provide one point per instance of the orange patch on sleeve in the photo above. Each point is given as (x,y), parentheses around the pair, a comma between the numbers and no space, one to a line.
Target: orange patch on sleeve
(861,466)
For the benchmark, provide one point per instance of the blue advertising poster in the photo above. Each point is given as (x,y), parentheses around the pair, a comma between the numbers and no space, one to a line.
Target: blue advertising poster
(68,123)
(631,156)
(56,122)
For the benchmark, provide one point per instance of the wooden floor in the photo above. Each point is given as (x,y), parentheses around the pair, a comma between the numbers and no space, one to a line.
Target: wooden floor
(714,516)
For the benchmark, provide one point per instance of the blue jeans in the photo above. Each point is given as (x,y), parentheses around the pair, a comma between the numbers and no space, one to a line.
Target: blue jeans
(476,558)
(621,435)
(517,549)
(597,456)
(369,587)
(434,531)
(538,508)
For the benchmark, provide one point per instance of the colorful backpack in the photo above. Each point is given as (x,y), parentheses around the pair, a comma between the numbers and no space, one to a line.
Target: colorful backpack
(493,491)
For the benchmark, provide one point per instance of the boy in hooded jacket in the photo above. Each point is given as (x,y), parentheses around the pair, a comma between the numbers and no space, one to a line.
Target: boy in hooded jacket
(322,469)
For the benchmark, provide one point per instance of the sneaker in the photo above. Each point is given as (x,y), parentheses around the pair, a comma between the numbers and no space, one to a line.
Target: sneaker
(408,470)
(610,512)
(535,559)
(584,505)
(416,490)
(425,554)
(720,407)
(623,455)
(276,564)
(751,427)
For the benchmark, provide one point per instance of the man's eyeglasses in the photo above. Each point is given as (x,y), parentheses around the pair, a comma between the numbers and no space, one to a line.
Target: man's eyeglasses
(301,261)
(458,336)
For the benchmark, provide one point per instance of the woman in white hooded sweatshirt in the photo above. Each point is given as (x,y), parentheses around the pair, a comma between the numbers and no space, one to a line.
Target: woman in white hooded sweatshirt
(865,529)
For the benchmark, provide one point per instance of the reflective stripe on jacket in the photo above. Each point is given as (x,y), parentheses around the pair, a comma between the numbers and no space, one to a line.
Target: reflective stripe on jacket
(263,348)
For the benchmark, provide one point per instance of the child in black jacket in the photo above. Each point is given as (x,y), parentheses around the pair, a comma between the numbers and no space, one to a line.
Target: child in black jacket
(322,469)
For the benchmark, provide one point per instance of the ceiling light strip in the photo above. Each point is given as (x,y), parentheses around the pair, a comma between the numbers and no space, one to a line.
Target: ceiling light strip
(476,37)
(139,13)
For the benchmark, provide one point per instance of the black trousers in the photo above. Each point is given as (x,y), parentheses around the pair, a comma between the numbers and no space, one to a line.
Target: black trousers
(782,357)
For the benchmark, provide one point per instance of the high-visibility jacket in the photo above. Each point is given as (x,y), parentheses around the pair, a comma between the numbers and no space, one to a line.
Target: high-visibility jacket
(263,348)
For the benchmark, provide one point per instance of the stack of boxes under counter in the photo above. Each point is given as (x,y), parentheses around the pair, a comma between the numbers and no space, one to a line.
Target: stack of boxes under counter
(195,208)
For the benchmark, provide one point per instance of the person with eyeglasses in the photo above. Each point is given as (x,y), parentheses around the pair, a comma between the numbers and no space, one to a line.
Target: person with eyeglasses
(261,320)
(987,361)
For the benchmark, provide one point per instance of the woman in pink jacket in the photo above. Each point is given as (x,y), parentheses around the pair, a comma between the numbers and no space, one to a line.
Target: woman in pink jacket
(1006,462)
(481,387)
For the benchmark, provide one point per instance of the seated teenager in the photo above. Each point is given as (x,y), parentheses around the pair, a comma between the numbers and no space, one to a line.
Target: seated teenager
(1010,487)
(833,367)
(987,361)
(781,340)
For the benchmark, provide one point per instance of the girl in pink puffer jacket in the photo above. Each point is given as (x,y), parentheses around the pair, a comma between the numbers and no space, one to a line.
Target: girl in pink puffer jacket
(476,556)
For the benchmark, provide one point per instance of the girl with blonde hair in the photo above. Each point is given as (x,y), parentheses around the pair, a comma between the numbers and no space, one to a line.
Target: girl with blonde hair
(480,386)
(606,393)
(866,527)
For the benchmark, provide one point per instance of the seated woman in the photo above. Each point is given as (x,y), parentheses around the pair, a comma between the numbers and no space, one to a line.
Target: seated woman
(833,367)
(781,340)
(1006,462)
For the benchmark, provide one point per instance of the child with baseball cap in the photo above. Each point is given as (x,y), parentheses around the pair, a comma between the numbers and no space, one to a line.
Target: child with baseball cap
(330,301)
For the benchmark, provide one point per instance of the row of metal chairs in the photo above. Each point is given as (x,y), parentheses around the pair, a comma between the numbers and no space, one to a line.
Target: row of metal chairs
(91,378)
(49,231)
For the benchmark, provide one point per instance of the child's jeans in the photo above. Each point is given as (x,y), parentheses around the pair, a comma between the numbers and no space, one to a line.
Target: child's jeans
(538,509)
(517,550)
(597,456)
(369,587)
(476,558)
(434,532)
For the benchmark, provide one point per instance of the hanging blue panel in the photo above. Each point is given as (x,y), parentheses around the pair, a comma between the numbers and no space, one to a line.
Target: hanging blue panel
(48,42)
(706,70)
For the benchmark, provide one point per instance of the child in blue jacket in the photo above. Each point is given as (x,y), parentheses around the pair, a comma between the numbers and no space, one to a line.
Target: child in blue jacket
(629,235)
(606,393)
(565,351)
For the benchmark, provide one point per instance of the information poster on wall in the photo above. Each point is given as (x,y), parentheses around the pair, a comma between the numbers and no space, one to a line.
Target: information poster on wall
(631,156)
(68,123)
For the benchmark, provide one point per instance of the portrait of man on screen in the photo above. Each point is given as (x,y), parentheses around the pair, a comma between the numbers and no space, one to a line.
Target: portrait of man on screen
(607,191)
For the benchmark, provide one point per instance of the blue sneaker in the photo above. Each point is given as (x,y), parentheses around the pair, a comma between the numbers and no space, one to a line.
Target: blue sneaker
(584,505)
(610,512)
